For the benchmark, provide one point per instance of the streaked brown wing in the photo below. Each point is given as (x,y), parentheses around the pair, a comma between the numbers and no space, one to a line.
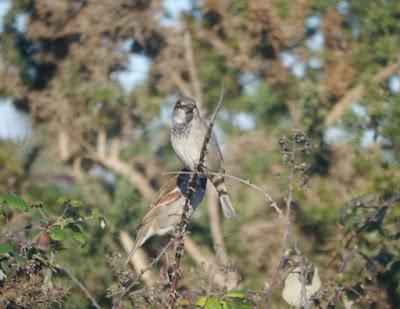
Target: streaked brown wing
(167,194)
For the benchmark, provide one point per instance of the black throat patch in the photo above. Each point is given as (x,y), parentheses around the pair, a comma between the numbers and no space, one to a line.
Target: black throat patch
(181,129)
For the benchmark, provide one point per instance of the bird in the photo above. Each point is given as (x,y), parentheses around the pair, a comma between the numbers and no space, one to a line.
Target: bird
(164,213)
(188,131)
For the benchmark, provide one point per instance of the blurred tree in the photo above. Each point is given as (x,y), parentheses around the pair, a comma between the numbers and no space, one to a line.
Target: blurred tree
(329,68)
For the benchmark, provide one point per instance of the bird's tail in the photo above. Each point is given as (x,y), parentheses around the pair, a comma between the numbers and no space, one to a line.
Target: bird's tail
(226,204)
(141,236)
(227,207)
(132,252)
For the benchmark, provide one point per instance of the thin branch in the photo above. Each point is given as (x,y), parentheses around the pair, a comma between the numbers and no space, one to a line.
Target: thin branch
(181,229)
(303,279)
(144,270)
(63,145)
(82,287)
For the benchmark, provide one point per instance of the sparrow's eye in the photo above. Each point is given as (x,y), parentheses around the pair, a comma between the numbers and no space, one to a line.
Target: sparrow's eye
(178,104)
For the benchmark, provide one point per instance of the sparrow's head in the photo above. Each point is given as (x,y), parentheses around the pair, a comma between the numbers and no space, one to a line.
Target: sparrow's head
(184,111)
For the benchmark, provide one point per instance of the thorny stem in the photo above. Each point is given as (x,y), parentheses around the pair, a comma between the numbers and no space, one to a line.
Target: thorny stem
(181,228)
(290,236)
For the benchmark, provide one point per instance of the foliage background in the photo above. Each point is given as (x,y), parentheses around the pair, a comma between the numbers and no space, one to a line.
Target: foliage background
(328,68)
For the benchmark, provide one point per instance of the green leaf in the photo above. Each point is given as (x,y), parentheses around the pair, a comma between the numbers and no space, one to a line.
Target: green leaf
(79,237)
(15,202)
(2,275)
(211,302)
(57,234)
(76,203)
(61,200)
(76,233)
(95,213)
(202,301)
(5,248)
(241,303)
(235,294)
(47,263)
(351,222)
(19,258)
(237,299)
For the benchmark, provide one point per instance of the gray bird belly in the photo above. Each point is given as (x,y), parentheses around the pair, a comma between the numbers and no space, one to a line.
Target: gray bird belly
(188,149)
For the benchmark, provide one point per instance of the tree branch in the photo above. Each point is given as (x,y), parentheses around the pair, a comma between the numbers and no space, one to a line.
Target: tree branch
(356,93)
(112,161)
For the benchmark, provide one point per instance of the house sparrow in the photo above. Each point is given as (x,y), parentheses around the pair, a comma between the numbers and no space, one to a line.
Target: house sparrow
(187,135)
(165,211)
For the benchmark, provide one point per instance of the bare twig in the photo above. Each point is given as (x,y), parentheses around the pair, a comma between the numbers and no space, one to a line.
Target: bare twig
(303,279)
(82,287)
(289,236)
(181,229)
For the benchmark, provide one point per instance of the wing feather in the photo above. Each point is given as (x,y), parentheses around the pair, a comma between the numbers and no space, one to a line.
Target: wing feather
(168,194)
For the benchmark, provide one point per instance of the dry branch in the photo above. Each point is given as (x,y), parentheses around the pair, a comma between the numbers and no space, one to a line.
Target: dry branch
(181,229)
(112,161)
(357,92)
